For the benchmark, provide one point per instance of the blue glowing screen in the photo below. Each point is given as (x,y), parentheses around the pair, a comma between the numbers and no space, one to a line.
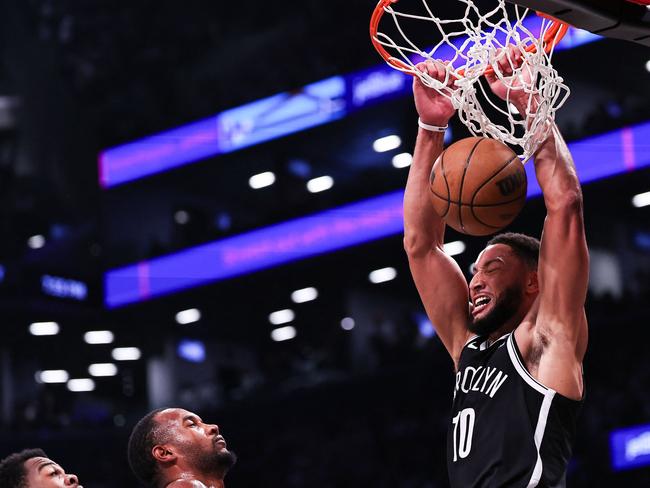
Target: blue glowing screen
(597,157)
(270,118)
(609,154)
(228,131)
(191,350)
(64,287)
(270,246)
(630,447)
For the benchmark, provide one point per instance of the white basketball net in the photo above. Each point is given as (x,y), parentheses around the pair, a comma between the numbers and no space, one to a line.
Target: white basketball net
(474,41)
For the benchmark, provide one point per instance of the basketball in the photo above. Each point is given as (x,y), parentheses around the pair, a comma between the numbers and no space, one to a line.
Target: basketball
(478,186)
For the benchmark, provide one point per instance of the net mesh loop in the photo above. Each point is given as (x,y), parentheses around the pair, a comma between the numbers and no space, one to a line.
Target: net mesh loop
(469,46)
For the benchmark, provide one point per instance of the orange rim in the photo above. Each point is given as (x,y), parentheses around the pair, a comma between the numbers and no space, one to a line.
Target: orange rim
(553,35)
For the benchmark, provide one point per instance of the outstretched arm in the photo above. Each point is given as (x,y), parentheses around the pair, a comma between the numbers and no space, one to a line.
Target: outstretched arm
(439,280)
(560,328)
(561,325)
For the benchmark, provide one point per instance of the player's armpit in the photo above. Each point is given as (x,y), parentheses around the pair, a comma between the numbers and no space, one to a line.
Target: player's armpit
(560,364)
(563,271)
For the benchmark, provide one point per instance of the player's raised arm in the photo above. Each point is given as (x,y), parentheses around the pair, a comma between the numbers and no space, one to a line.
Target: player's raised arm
(439,280)
(564,259)
(560,328)
(563,269)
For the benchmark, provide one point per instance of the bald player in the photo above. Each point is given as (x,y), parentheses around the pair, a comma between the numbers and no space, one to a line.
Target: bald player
(175,448)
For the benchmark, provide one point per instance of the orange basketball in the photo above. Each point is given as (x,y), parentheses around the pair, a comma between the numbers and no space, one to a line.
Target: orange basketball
(478,186)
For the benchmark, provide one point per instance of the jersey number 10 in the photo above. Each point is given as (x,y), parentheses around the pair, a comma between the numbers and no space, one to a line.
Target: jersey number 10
(463,431)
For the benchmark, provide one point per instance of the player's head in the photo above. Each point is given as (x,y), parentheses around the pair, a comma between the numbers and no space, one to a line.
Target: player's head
(504,284)
(32,468)
(173,440)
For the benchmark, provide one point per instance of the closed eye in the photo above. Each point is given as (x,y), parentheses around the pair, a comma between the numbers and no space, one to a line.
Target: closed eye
(192,421)
(487,271)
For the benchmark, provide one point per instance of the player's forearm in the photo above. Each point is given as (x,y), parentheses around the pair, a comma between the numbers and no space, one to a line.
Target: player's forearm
(423,228)
(557,175)
(554,166)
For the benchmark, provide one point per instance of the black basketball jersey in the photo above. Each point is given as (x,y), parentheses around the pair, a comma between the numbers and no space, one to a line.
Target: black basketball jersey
(506,429)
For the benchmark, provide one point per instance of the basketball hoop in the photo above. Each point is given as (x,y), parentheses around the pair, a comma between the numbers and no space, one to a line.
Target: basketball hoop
(469,46)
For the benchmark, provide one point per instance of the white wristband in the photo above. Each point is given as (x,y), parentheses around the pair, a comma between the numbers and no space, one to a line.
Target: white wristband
(432,128)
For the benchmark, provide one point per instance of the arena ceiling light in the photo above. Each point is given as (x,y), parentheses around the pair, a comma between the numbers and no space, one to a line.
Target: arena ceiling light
(454,248)
(261,180)
(102,369)
(382,275)
(319,184)
(387,143)
(126,353)
(36,242)
(304,295)
(44,328)
(282,316)
(99,337)
(52,376)
(283,333)
(81,384)
(188,316)
(347,323)
(181,217)
(641,200)
(402,160)
(647,65)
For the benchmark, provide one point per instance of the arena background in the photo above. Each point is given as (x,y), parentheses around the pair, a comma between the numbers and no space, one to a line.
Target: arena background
(360,396)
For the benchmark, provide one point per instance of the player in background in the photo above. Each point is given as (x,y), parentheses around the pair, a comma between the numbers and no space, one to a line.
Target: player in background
(31,468)
(174,448)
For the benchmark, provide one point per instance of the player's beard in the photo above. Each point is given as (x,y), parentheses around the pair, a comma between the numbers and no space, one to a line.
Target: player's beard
(214,462)
(504,309)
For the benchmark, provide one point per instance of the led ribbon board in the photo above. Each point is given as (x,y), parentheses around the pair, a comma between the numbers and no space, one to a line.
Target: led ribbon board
(263,248)
(270,118)
(597,157)
(630,448)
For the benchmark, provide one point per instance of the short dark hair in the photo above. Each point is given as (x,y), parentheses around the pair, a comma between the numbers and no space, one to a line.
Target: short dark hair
(526,247)
(12,468)
(145,435)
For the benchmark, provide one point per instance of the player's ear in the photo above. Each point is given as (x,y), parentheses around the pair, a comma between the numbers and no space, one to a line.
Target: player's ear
(163,453)
(532,284)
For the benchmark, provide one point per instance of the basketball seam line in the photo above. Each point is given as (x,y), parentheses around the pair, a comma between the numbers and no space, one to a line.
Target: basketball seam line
(462,182)
(505,165)
(480,205)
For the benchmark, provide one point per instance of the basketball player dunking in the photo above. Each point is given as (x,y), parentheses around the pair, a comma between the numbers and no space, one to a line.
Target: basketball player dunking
(518,346)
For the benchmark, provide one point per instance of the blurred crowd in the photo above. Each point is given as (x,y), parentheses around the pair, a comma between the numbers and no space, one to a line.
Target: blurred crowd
(382,428)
